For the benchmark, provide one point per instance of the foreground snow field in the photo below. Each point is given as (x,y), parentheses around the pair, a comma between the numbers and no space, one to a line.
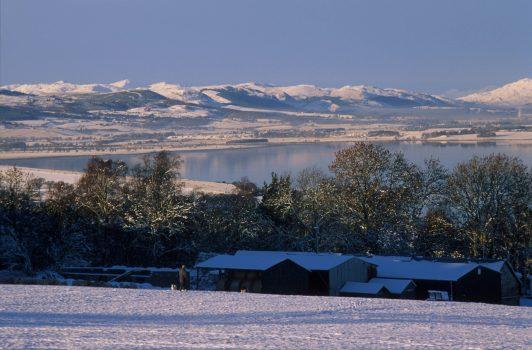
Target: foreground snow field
(83,317)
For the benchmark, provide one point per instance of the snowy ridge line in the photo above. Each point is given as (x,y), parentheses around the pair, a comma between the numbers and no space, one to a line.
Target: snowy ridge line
(518,93)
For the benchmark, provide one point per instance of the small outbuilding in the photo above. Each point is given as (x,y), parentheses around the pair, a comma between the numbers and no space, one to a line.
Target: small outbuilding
(364,290)
(398,288)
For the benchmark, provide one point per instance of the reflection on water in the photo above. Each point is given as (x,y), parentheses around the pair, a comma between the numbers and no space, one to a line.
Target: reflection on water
(257,163)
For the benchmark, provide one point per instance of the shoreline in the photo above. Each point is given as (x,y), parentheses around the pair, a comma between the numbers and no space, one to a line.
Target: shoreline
(11,155)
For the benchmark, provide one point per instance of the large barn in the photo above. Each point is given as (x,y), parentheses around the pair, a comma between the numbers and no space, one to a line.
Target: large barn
(329,271)
(326,272)
(490,282)
(273,275)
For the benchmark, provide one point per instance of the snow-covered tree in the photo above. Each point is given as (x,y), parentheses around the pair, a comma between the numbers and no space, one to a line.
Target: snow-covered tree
(379,196)
(22,241)
(490,199)
(156,207)
(101,201)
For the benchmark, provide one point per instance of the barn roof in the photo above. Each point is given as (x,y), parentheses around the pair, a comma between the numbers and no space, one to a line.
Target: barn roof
(241,262)
(362,288)
(404,267)
(408,268)
(395,286)
(311,261)
(495,266)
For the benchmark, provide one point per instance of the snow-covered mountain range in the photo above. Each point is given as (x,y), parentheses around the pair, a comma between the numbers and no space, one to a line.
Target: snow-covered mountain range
(168,99)
(253,95)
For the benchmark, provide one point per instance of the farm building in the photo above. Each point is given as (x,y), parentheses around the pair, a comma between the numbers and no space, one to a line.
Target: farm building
(267,274)
(328,271)
(305,273)
(490,282)
(366,290)
(398,288)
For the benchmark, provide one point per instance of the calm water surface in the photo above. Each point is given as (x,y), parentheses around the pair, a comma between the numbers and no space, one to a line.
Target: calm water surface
(258,163)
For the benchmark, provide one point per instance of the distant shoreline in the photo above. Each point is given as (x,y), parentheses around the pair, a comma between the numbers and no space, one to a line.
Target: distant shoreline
(468,139)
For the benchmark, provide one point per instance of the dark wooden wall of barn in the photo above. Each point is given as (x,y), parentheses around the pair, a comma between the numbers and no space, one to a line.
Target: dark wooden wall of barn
(286,277)
(479,285)
(423,286)
(510,287)
(484,287)
(319,283)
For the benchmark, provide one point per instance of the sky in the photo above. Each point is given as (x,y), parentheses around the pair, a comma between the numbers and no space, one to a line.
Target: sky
(448,47)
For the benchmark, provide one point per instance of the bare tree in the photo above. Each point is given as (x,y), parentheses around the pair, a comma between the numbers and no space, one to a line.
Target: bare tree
(380,196)
(491,199)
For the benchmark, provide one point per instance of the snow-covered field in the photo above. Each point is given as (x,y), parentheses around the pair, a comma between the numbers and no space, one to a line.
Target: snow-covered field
(72,177)
(83,317)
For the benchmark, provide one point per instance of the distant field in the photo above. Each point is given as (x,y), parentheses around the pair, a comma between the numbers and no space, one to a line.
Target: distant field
(73,176)
(83,317)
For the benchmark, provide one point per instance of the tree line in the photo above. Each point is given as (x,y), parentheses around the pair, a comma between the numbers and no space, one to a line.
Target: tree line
(372,201)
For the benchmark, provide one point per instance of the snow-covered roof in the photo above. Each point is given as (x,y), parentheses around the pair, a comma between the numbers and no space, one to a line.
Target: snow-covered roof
(395,286)
(310,261)
(241,262)
(408,268)
(362,288)
(495,266)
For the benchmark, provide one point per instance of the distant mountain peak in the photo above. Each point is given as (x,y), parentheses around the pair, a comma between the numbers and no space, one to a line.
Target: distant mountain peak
(121,83)
(517,93)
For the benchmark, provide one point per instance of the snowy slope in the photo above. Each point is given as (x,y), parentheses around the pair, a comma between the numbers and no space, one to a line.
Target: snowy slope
(62,97)
(518,93)
(73,177)
(317,98)
(61,87)
(95,318)
(299,92)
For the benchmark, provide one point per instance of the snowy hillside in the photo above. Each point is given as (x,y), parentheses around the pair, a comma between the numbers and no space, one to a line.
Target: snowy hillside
(61,87)
(71,177)
(307,98)
(82,318)
(518,93)
(313,98)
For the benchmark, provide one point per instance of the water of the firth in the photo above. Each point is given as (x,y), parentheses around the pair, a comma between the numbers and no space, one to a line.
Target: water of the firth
(257,163)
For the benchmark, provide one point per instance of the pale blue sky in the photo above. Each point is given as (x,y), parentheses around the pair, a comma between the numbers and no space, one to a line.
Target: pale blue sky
(424,45)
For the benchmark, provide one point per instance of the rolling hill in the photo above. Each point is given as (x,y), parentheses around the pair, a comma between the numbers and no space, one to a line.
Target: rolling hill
(162,98)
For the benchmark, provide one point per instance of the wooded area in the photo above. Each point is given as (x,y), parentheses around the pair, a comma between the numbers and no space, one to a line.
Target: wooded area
(371,201)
